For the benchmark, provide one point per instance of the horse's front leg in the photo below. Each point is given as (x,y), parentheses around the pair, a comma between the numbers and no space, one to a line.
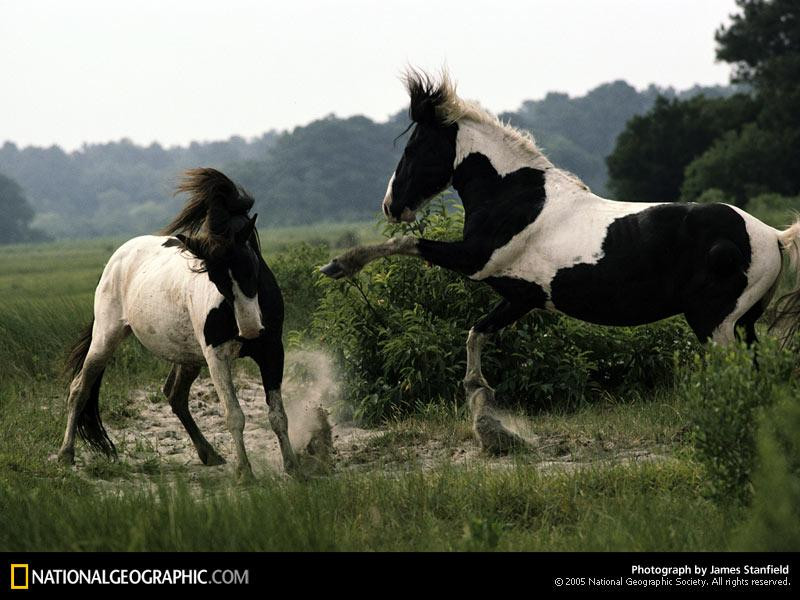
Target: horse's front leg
(219,367)
(270,358)
(355,259)
(492,436)
(456,256)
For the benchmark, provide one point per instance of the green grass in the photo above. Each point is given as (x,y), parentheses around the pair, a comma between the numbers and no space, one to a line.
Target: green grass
(478,506)
(449,508)
(73,267)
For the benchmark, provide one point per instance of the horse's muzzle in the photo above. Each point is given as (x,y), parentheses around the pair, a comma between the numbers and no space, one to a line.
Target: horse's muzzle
(407,216)
(249,335)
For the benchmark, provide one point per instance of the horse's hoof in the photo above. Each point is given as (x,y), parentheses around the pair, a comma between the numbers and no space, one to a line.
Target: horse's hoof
(293,469)
(244,476)
(63,458)
(212,459)
(333,270)
(495,439)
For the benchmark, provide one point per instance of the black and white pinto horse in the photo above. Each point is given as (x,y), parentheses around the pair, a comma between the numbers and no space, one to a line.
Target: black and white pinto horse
(543,240)
(204,296)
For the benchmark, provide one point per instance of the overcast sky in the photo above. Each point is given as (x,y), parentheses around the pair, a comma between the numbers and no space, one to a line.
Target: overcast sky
(92,71)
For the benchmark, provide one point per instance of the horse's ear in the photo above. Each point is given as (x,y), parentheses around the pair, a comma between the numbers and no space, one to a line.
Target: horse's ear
(193,245)
(245,232)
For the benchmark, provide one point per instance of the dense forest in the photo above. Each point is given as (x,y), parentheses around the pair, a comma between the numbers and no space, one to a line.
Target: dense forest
(333,169)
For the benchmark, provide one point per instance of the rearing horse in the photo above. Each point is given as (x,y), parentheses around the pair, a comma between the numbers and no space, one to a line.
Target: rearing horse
(189,299)
(540,238)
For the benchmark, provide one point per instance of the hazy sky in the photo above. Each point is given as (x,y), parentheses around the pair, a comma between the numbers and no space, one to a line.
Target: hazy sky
(175,71)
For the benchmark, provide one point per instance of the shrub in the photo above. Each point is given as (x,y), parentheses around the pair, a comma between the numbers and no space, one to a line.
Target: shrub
(727,395)
(295,269)
(399,332)
(774,523)
(774,209)
(712,195)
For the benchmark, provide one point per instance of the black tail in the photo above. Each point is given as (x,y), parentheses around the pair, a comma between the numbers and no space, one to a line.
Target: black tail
(89,425)
(78,352)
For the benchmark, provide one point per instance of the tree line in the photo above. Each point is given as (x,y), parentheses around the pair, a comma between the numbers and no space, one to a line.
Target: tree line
(333,169)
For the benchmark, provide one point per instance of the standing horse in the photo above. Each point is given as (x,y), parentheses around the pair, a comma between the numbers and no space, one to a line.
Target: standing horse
(189,299)
(540,238)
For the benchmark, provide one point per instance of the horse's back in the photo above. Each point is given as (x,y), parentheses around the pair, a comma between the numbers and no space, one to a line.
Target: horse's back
(624,263)
(151,286)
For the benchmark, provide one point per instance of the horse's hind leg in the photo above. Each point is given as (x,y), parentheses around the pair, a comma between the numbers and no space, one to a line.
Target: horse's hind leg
(493,437)
(101,340)
(176,389)
(219,367)
(748,322)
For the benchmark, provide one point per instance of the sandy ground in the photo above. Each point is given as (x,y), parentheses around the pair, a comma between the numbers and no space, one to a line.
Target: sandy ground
(326,444)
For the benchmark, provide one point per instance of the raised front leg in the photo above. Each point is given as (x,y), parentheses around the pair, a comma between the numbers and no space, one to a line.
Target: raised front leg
(355,259)
(176,389)
(461,256)
(219,367)
(492,436)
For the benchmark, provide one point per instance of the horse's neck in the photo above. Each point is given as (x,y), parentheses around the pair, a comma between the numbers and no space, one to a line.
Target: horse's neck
(507,151)
(492,163)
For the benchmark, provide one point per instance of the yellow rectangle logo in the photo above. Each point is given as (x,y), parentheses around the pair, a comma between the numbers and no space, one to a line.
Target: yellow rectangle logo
(16,576)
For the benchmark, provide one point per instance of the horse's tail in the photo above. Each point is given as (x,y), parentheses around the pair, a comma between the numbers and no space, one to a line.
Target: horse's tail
(787,307)
(89,426)
(79,350)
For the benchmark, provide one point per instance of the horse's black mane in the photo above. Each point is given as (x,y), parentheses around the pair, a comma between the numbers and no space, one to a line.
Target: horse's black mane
(215,203)
(426,96)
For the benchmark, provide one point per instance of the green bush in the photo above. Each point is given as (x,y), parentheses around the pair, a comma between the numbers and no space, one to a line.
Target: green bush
(295,269)
(774,523)
(727,394)
(713,195)
(774,209)
(399,332)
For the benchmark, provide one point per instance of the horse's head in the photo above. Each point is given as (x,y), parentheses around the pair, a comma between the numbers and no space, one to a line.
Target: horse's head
(233,266)
(228,246)
(426,167)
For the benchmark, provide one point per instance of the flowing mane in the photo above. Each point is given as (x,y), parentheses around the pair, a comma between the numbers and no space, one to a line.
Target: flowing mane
(213,200)
(451,108)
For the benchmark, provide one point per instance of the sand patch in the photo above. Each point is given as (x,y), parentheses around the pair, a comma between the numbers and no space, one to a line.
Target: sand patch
(155,441)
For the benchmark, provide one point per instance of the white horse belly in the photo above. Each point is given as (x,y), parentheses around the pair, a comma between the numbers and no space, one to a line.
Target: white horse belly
(170,335)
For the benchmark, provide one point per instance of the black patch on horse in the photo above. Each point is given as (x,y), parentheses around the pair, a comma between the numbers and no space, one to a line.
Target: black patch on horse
(662,261)
(496,207)
(220,325)
(518,291)
(220,276)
